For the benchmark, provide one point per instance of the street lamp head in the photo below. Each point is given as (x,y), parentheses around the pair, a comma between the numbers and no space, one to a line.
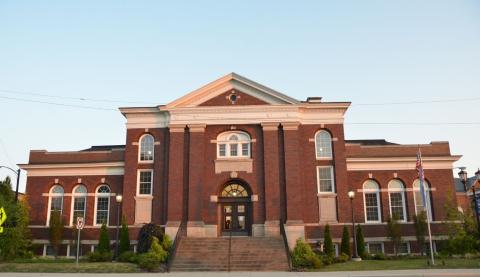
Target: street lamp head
(351,194)
(463,176)
(119,198)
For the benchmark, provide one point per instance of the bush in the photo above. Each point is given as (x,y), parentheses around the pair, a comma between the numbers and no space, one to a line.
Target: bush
(104,241)
(124,245)
(146,235)
(328,259)
(345,245)
(303,256)
(379,256)
(100,256)
(128,257)
(327,242)
(154,257)
(360,243)
(343,258)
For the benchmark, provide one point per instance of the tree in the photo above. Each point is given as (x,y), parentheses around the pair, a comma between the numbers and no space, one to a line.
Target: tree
(394,232)
(124,238)
(360,243)
(55,231)
(345,245)
(420,224)
(327,242)
(104,240)
(15,240)
(145,236)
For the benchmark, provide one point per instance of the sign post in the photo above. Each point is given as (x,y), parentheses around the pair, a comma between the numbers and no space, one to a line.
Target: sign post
(80,224)
(3,217)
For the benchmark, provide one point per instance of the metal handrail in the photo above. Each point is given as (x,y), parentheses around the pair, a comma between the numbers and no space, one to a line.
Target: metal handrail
(229,248)
(285,243)
(178,237)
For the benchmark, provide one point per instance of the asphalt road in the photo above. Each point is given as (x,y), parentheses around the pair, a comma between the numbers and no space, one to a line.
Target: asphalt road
(395,273)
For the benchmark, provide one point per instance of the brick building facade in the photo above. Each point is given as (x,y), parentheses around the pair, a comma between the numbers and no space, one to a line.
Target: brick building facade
(236,156)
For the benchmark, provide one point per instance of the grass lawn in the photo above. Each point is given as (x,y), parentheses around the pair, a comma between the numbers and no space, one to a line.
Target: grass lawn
(402,264)
(62,265)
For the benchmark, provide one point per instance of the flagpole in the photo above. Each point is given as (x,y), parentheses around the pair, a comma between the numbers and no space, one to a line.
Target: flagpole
(430,233)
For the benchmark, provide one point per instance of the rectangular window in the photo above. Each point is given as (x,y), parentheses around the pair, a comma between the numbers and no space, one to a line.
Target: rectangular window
(396,205)
(49,251)
(102,210)
(403,248)
(375,247)
(145,182)
(371,207)
(56,204)
(245,149)
(233,150)
(325,181)
(222,150)
(79,204)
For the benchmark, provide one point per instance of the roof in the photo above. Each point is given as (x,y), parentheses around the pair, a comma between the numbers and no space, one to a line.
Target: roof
(103,148)
(459,185)
(370,142)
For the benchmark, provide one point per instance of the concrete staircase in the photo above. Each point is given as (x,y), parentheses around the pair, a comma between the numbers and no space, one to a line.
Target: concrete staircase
(247,254)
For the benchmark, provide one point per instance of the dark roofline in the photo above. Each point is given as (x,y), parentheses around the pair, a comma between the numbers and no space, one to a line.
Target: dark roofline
(104,148)
(370,142)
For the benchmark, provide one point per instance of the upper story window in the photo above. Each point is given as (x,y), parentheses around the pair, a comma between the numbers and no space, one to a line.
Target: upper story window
(420,202)
(233,145)
(145,182)
(323,145)
(396,193)
(146,148)
(371,198)
(325,180)
(102,204)
(55,198)
(79,203)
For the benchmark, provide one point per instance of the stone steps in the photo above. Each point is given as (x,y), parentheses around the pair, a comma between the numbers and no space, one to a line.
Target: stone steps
(247,254)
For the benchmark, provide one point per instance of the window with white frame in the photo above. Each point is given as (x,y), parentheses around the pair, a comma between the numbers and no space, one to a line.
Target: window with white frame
(396,193)
(145,181)
(233,145)
(375,247)
(418,198)
(102,204)
(55,198)
(325,179)
(323,145)
(371,197)
(79,203)
(146,148)
(404,248)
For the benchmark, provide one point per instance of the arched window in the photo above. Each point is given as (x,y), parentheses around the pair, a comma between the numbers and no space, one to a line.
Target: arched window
(79,203)
(146,148)
(55,199)
(234,190)
(419,202)
(371,198)
(396,192)
(323,144)
(233,145)
(102,204)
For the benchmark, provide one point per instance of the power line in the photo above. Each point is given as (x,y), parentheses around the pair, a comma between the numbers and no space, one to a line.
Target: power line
(58,104)
(74,98)
(420,102)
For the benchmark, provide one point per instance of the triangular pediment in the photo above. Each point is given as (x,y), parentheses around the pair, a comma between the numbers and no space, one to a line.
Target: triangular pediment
(227,84)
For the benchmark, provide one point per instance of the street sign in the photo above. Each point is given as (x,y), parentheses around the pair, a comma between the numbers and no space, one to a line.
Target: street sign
(3,217)
(80,223)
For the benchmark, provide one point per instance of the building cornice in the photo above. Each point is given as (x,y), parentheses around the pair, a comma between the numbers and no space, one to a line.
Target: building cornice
(74,169)
(400,163)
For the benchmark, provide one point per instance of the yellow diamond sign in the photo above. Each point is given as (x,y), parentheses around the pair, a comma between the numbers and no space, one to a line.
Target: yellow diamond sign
(3,217)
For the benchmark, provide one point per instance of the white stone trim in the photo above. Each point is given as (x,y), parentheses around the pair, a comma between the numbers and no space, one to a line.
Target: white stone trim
(400,163)
(74,169)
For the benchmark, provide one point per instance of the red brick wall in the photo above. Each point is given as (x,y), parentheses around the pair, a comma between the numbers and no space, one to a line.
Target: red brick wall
(242,99)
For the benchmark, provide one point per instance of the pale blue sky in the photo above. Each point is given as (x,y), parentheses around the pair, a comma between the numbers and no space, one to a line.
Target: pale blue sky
(155,52)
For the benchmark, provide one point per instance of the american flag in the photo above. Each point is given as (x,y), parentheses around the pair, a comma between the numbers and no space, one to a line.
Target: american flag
(419,167)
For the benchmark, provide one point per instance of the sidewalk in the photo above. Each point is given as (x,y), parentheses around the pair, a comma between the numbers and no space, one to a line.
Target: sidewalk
(380,273)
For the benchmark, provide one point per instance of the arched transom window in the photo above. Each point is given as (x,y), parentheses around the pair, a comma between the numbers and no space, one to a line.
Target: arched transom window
(102,205)
(371,197)
(418,198)
(146,148)
(234,190)
(396,193)
(323,145)
(55,200)
(79,203)
(233,145)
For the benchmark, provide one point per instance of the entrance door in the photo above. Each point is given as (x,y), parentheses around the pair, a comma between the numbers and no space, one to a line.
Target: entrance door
(235,221)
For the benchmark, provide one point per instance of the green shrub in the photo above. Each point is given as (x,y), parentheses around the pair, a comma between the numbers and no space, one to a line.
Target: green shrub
(128,257)
(303,256)
(328,259)
(98,256)
(104,241)
(146,235)
(343,258)
(167,243)
(154,257)
(360,243)
(327,242)
(124,245)
(345,245)
(380,256)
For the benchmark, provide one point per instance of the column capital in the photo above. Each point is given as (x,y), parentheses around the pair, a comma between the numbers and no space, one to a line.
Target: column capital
(270,126)
(290,126)
(197,128)
(177,128)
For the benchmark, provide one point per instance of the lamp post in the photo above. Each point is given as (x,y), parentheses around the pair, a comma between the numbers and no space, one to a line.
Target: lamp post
(118,199)
(464,178)
(17,172)
(355,257)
